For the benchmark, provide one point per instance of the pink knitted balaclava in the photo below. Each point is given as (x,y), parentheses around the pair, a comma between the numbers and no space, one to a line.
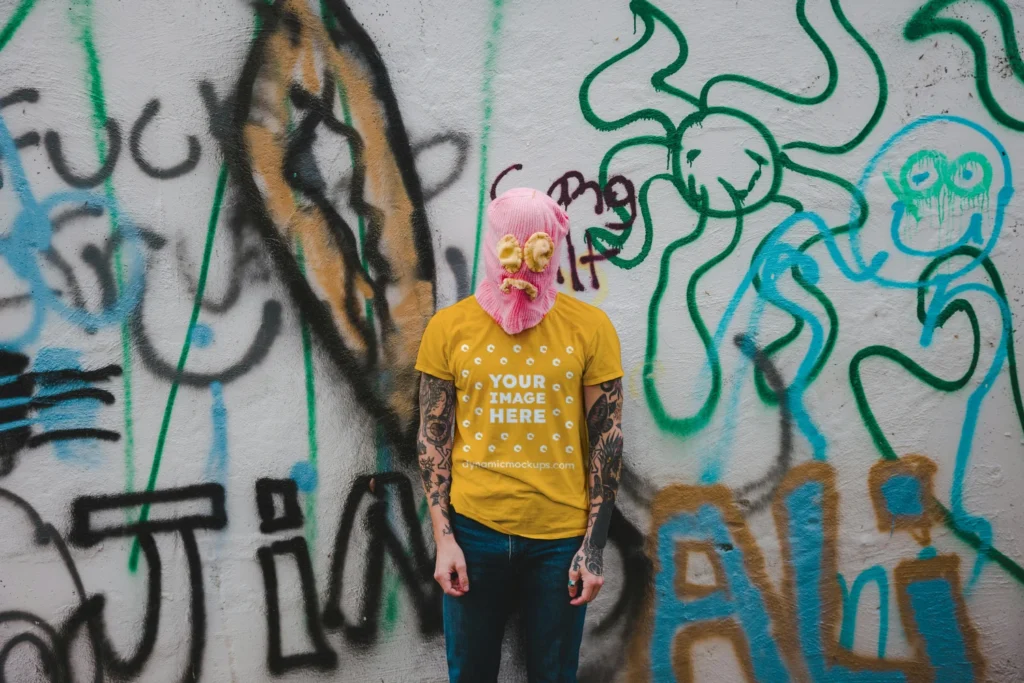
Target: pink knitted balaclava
(525,229)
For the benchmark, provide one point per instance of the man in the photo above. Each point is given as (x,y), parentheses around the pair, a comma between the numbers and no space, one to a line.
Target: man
(520,449)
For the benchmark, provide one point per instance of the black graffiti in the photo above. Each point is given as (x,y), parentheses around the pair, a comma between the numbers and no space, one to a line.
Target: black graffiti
(758,494)
(218,111)
(322,657)
(460,269)
(268,493)
(412,561)
(256,353)
(247,263)
(86,532)
(501,176)
(461,143)
(89,613)
(186,166)
(604,198)
(303,175)
(53,650)
(99,259)
(54,145)
(362,374)
(20,392)
(55,151)
(30,139)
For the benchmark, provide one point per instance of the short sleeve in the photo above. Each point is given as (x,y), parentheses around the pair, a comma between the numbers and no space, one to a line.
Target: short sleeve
(604,362)
(432,358)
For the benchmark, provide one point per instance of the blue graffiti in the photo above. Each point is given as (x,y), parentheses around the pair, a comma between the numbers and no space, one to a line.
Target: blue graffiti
(32,234)
(778,259)
(851,603)
(72,414)
(800,622)
(217,460)
(807,541)
(740,599)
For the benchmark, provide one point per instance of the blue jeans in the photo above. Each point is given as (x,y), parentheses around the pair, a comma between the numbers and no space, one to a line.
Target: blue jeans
(508,573)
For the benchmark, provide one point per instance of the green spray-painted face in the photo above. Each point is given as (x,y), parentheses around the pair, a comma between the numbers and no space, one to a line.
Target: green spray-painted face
(941,196)
(930,184)
(731,155)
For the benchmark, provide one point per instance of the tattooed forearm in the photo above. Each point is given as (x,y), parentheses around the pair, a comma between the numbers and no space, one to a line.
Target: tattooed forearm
(604,426)
(434,447)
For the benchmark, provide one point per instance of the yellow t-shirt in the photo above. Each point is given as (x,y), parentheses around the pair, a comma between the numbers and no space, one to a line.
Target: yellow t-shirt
(520,459)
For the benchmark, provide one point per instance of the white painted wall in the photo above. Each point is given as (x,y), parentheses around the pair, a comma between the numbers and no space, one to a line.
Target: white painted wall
(435,54)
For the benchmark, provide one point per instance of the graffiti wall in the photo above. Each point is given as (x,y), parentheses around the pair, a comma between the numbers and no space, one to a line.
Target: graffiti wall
(224,226)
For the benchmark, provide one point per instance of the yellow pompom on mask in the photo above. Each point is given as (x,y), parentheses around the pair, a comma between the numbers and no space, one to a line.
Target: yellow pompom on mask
(538,251)
(509,254)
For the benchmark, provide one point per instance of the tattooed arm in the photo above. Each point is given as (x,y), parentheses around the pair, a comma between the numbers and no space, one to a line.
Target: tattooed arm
(604,428)
(434,450)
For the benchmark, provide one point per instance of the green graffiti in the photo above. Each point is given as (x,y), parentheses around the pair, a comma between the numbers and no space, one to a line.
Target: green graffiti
(490,69)
(727,165)
(928,181)
(80,14)
(14,23)
(941,384)
(718,179)
(927,22)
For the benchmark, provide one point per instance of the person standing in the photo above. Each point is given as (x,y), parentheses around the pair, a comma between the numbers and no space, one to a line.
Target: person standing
(520,449)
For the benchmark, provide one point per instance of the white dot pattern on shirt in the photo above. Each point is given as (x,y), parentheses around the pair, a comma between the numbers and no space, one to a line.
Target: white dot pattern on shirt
(478,386)
(543,449)
(569,350)
(556,362)
(517,348)
(568,424)
(490,348)
(504,361)
(517,448)
(568,399)
(529,437)
(569,449)
(543,349)
(556,437)
(479,411)
(466,448)
(465,347)
(504,436)
(529,361)
(465,373)
(465,423)
(492,448)
(569,375)
(479,436)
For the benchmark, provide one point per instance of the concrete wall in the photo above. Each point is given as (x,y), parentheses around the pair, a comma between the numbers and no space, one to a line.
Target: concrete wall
(225,224)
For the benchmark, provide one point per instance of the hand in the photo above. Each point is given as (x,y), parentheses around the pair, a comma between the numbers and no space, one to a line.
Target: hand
(450,560)
(588,564)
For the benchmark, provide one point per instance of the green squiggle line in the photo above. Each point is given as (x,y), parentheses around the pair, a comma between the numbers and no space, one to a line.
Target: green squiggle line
(490,62)
(204,269)
(81,19)
(830,61)
(926,22)
(871,422)
(311,436)
(646,12)
(764,391)
(883,94)
(14,23)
